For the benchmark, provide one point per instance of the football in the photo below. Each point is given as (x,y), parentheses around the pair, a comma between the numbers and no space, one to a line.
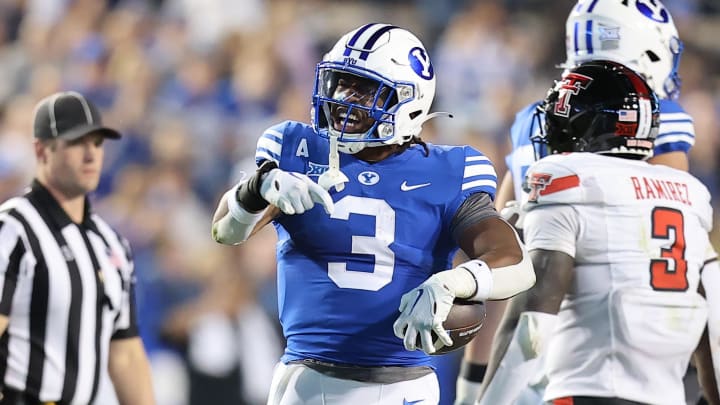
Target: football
(463,323)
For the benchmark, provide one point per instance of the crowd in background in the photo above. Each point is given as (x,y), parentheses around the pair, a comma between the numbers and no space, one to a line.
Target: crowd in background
(193,83)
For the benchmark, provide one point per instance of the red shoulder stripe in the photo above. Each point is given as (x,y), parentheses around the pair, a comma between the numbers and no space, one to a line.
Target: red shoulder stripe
(560,184)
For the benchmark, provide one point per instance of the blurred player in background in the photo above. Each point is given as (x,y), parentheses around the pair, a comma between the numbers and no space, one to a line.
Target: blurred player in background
(638,34)
(619,246)
(393,212)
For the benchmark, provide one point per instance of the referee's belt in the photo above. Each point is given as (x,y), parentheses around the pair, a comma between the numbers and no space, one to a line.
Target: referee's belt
(9,396)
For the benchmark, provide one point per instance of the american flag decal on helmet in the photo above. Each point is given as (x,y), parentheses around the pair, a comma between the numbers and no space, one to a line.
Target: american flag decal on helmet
(627,115)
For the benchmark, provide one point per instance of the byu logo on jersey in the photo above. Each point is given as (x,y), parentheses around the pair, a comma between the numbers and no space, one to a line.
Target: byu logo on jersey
(653,10)
(420,63)
(368,178)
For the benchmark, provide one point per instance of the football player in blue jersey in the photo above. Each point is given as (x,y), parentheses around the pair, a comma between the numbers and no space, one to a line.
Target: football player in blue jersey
(637,33)
(370,217)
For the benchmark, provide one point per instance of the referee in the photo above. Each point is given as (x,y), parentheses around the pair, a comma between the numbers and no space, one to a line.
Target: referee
(66,278)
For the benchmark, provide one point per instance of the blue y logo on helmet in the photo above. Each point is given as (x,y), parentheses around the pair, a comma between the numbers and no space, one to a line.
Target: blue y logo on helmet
(420,63)
(653,10)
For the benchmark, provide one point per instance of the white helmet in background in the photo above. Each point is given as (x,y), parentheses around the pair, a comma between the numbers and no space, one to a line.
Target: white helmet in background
(637,33)
(373,88)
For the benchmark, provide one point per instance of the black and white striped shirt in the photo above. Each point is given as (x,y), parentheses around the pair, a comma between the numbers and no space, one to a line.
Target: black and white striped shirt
(67,289)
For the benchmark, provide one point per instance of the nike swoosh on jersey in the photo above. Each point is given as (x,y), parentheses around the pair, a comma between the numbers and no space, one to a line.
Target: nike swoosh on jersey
(406,402)
(405,187)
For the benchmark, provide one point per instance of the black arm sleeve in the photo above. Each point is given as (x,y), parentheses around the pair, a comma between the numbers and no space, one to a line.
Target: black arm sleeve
(248,194)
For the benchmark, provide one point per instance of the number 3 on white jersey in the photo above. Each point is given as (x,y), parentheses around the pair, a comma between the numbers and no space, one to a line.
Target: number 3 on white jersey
(378,245)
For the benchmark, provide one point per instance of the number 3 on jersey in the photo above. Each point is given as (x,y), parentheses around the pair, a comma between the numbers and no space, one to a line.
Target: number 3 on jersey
(377,245)
(670,272)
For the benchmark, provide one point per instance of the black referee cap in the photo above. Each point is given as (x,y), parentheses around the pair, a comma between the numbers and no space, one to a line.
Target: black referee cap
(68,115)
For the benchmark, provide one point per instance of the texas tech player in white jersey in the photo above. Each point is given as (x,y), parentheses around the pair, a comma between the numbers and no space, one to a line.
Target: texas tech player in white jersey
(638,234)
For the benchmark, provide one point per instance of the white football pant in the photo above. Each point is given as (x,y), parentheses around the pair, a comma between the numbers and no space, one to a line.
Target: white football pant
(296,384)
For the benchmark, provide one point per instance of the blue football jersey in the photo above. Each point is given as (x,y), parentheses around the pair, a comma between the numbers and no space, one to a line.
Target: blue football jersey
(676,133)
(340,277)
(522,155)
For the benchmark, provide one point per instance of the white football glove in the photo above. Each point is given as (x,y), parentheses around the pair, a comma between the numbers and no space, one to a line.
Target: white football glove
(513,213)
(294,193)
(424,309)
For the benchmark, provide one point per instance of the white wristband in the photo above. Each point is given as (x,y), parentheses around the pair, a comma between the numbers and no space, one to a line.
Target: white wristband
(483,278)
(239,213)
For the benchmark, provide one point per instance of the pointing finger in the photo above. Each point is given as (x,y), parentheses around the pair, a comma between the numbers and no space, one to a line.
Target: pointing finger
(321,196)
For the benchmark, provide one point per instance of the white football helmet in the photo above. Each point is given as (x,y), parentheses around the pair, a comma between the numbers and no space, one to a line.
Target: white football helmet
(373,88)
(637,33)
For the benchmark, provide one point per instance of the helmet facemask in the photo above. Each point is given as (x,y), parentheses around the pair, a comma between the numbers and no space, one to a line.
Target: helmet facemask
(401,84)
(357,107)
(390,87)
